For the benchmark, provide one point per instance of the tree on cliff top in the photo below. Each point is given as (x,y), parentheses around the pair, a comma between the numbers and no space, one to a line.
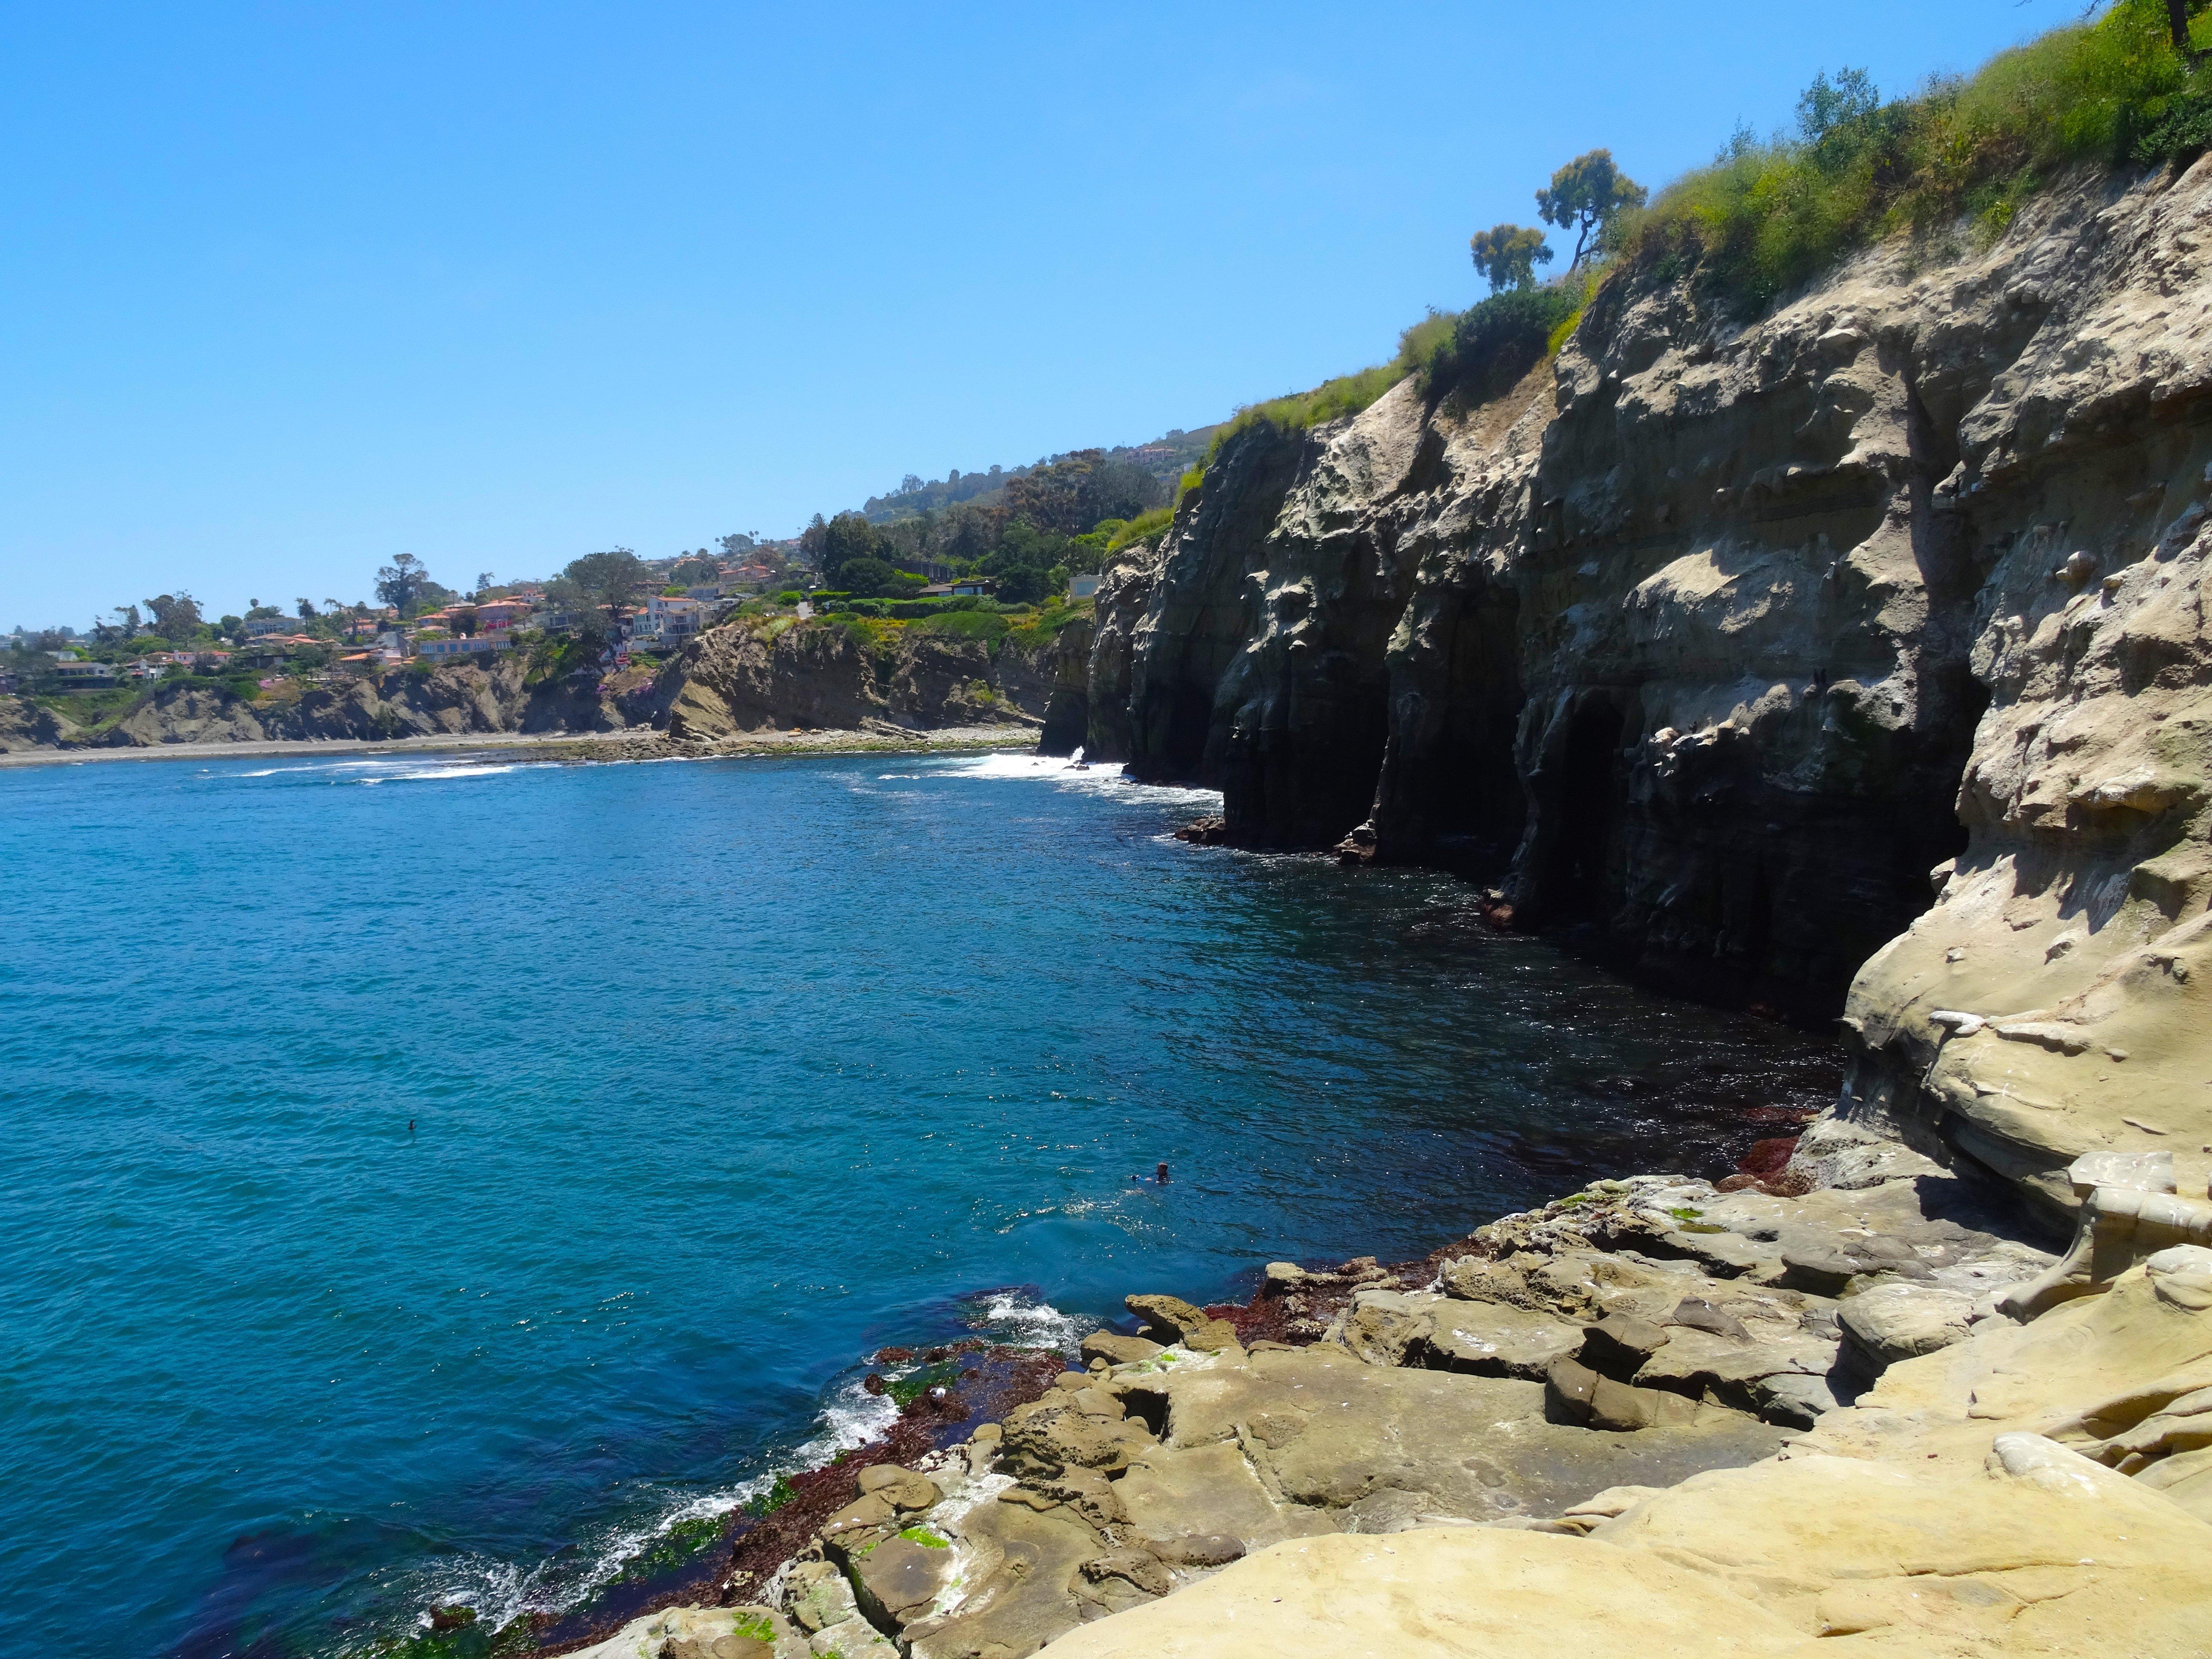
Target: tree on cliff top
(1585,194)
(611,580)
(1827,105)
(1509,255)
(1069,496)
(2178,13)
(176,615)
(401,583)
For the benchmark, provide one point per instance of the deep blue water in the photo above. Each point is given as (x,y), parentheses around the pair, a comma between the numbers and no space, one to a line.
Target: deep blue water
(722,1074)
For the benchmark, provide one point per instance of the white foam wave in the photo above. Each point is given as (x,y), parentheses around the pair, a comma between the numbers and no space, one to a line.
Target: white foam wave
(1019,1321)
(433,773)
(1063,774)
(853,1418)
(504,1591)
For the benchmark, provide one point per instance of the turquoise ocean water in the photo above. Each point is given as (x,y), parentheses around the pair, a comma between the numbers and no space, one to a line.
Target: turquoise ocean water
(722,1074)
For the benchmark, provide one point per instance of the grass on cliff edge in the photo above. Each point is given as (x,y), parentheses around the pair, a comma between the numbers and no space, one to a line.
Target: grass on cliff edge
(1768,216)
(1347,394)
(1026,627)
(1478,354)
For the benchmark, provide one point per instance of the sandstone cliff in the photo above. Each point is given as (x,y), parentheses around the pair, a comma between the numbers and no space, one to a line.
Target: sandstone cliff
(747,675)
(1715,636)
(458,700)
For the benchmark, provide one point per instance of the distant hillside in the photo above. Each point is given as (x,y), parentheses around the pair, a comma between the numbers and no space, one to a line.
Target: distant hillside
(1166,459)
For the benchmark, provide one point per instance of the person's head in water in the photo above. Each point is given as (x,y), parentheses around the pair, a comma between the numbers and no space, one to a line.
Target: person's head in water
(1161,1174)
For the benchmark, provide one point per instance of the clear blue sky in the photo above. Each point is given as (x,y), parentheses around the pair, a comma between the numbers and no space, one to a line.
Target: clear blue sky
(289,288)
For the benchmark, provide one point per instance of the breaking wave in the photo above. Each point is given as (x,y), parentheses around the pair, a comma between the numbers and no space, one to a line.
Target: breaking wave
(1061,773)
(503,1591)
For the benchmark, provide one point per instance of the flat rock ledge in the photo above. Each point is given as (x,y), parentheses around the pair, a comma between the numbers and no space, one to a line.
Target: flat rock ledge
(1649,1416)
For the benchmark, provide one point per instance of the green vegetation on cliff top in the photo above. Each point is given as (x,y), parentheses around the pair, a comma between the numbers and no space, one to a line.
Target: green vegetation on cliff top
(1770,214)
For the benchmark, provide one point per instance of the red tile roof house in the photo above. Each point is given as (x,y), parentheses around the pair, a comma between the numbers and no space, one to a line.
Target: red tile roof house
(494,615)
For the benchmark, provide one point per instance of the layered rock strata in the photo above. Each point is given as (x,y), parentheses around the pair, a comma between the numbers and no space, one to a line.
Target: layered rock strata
(1716,638)
(458,699)
(744,677)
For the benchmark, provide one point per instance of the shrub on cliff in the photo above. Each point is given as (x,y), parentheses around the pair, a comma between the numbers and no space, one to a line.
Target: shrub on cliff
(1347,394)
(1767,216)
(1142,528)
(1492,345)
(965,624)
(1044,627)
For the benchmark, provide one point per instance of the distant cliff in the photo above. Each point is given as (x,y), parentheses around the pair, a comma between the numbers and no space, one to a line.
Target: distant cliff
(743,677)
(1713,638)
(456,700)
(760,672)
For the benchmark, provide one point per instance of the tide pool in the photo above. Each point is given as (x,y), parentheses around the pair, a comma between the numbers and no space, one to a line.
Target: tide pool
(720,1074)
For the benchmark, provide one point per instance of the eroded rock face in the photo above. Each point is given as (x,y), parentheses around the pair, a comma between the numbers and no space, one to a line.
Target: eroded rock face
(1066,697)
(741,679)
(1198,612)
(746,676)
(454,700)
(2069,943)
(1714,638)
(1124,592)
(1300,712)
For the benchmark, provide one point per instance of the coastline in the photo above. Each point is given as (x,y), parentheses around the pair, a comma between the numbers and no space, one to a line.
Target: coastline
(569,746)
(1779,1371)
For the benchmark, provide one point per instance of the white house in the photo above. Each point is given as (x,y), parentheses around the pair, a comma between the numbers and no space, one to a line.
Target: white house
(667,620)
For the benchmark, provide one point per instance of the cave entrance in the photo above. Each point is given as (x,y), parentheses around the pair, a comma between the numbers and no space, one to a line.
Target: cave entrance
(1588,798)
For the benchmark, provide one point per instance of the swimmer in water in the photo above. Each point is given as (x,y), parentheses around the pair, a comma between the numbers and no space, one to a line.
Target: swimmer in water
(1162,1175)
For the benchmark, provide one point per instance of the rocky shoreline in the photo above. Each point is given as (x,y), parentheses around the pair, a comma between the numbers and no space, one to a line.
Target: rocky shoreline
(1862,1397)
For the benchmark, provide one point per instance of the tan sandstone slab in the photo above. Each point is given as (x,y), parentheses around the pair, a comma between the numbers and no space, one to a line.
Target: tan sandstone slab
(1396,1447)
(2039,1551)
(1453,1593)
(1205,1491)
